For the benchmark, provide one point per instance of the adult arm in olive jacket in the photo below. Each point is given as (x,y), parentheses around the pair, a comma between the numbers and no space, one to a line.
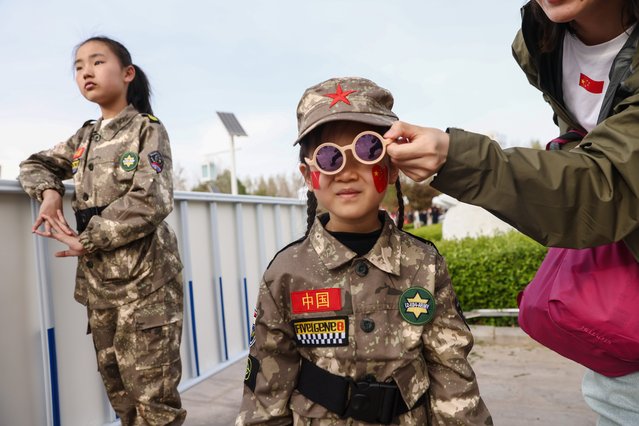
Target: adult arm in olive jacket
(580,197)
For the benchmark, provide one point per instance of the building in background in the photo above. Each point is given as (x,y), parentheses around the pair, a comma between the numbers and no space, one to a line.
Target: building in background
(209,169)
(464,220)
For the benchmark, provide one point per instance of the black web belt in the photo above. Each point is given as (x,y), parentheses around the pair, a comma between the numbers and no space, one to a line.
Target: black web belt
(368,400)
(82,217)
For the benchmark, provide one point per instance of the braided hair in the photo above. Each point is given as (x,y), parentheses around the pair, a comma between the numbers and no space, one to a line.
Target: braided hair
(400,204)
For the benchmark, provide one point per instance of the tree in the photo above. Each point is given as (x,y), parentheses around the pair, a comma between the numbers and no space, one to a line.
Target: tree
(179,180)
(261,188)
(206,186)
(420,195)
(536,144)
(222,184)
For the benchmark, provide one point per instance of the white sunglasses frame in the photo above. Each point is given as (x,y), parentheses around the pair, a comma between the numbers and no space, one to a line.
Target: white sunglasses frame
(311,161)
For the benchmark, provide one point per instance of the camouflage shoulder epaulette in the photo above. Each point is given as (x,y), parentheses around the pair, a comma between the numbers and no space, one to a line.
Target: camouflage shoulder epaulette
(86,123)
(152,118)
(423,240)
(284,248)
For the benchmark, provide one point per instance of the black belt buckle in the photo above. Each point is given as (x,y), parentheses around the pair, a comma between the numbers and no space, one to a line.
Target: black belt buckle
(372,402)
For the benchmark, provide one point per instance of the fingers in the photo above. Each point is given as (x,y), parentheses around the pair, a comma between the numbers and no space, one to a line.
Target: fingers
(401,129)
(37,224)
(47,226)
(62,222)
(402,151)
(42,221)
(68,253)
(417,174)
(57,225)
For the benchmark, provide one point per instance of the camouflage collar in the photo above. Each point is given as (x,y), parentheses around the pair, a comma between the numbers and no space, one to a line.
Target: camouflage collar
(385,254)
(119,121)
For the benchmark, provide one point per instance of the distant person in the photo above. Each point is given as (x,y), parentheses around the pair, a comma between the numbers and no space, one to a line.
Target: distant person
(423,217)
(434,214)
(357,322)
(417,220)
(582,55)
(128,272)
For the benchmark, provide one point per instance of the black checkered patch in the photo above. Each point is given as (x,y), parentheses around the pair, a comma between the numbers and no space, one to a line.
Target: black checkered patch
(321,332)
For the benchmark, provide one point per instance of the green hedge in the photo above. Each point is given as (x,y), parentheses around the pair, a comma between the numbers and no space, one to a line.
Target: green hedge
(489,272)
(429,232)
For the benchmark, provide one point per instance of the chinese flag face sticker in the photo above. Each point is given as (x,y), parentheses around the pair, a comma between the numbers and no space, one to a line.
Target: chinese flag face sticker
(315,177)
(593,86)
(380,177)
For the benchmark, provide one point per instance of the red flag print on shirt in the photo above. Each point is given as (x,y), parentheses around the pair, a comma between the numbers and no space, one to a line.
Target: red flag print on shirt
(593,86)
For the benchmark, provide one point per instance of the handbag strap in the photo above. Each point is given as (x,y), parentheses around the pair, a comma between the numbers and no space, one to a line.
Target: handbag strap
(571,135)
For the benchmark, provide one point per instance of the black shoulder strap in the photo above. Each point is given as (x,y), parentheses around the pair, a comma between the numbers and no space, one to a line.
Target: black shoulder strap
(423,240)
(86,123)
(284,248)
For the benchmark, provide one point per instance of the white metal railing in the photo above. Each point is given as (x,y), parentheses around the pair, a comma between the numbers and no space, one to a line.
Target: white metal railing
(491,313)
(48,363)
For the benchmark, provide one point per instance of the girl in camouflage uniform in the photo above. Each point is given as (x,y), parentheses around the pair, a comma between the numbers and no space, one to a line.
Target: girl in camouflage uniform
(357,322)
(128,272)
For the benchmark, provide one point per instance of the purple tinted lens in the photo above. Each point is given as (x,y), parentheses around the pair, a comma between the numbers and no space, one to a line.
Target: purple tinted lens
(329,158)
(369,147)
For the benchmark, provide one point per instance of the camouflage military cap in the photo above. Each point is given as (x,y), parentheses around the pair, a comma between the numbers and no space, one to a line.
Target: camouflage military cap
(345,99)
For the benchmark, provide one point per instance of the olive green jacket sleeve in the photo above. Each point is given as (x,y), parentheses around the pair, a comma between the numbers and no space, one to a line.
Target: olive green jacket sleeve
(579,198)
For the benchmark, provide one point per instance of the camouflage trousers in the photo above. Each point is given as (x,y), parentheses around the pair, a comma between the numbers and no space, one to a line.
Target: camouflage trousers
(137,347)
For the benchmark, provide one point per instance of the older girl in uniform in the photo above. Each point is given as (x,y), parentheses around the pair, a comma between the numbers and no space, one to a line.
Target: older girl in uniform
(128,272)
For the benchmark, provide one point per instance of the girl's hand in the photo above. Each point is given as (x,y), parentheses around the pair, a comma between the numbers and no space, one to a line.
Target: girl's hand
(75,247)
(425,153)
(52,207)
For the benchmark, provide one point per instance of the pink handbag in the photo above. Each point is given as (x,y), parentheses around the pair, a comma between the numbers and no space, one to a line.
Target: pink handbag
(584,305)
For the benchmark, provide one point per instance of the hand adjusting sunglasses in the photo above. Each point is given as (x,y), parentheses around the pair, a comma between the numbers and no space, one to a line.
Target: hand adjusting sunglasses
(368,148)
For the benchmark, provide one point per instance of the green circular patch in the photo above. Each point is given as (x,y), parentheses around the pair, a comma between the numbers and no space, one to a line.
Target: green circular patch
(417,306)
(129,161)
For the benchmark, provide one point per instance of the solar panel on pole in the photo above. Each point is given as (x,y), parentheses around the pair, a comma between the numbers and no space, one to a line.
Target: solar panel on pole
(232,125)
(234,128)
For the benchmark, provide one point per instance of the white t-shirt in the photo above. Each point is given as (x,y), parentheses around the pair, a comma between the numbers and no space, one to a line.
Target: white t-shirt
(586,72)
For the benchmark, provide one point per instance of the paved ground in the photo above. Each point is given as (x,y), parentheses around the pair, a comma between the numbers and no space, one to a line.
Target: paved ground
(522,383)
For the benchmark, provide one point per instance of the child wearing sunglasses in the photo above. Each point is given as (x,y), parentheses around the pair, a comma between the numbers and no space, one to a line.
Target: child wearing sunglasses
(357,322)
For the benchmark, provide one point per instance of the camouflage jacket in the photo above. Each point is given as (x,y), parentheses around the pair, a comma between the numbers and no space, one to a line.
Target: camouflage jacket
(125,167)
(318,284)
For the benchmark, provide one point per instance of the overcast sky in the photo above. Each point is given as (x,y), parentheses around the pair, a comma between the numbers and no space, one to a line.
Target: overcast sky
(447,63)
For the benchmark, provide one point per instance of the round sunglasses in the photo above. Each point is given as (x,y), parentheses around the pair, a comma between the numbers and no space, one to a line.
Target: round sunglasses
(368,148)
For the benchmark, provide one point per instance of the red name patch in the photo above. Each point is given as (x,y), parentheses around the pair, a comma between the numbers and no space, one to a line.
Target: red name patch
(326,299)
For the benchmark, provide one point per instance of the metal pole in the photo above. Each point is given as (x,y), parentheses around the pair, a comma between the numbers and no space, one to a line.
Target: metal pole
(46,324)
(190,331)
(233,177)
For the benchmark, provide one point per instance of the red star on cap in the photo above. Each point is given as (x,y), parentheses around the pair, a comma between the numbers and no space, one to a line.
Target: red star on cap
(340,96)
